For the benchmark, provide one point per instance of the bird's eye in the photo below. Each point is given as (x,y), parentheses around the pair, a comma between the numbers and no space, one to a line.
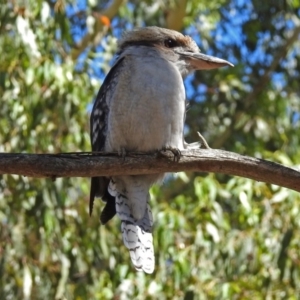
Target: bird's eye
(170,43)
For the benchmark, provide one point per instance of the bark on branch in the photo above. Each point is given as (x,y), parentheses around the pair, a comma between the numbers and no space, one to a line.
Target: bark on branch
(88,164)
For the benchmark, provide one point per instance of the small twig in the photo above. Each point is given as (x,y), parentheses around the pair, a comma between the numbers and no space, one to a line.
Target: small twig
(203,141)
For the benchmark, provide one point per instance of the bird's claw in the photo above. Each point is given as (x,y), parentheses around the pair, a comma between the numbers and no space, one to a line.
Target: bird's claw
(176,152)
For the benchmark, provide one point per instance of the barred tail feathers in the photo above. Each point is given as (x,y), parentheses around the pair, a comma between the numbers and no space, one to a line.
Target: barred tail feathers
(136,224)
(137,235)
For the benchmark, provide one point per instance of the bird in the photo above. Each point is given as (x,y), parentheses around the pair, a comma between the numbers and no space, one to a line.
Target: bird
(141,106)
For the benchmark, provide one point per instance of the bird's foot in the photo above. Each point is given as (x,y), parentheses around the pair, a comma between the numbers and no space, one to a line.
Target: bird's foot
(176,152)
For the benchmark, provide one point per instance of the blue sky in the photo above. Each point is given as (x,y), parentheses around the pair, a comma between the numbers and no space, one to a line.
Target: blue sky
(226,35)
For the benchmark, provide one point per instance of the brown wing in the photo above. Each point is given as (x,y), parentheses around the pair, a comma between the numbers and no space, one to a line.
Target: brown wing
(98,130)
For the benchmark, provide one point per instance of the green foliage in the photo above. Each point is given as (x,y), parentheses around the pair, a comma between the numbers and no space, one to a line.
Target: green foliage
(216,237)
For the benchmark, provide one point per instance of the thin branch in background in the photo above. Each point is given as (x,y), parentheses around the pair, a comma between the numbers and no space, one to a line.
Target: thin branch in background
(99,30)
(175,15)
(262,82)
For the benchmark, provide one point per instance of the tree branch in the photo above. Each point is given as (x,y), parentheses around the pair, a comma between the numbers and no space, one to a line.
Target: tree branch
(99,28)
(176,14)
(111,164)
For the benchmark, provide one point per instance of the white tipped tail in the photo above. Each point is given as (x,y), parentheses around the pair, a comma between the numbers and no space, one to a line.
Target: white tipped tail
(137,234)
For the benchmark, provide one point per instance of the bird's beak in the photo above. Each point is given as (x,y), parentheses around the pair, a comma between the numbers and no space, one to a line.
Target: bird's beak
(199,61)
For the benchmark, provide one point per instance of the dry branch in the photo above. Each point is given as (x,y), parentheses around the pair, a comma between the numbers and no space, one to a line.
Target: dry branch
(88,164)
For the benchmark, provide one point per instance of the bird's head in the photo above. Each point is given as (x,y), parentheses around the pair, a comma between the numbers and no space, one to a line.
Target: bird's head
(173,46)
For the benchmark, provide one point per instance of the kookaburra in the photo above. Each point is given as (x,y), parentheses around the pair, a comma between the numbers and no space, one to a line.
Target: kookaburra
(141,106)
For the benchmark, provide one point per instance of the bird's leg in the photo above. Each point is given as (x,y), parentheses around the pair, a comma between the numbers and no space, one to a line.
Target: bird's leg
(176,152)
